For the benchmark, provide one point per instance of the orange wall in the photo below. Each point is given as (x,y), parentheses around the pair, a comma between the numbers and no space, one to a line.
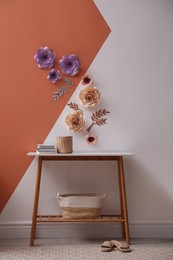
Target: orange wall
(27,109)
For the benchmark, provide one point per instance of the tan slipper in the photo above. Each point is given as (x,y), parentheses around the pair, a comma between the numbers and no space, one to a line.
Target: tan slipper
(121,246)
(107,246)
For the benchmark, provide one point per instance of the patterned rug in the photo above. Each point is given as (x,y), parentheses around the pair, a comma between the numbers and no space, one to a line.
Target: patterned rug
(83,253)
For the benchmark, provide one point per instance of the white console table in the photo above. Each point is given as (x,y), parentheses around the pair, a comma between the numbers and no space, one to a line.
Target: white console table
(104,156)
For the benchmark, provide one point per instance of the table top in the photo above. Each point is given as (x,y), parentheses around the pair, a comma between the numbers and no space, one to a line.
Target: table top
(80,154)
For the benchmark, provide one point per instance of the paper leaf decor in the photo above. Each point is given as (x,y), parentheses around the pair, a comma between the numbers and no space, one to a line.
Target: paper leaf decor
(97,118)
(73,106)
(60,92)
(68,81)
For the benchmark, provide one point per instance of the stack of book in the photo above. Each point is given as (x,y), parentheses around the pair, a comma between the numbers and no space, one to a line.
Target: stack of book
(46,148)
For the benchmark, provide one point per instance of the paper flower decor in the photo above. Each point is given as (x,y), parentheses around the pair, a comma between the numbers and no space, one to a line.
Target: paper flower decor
(91,139)
(45,58)
(54,75)
(87,80)
(64,89)
(97,118)
(90,96)
(69,64)
(75,121)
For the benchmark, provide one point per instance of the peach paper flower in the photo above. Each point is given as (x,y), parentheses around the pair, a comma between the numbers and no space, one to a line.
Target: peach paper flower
(89,96)
(75,121)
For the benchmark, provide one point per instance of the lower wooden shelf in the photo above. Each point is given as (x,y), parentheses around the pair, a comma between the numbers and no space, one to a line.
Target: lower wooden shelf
(59,218)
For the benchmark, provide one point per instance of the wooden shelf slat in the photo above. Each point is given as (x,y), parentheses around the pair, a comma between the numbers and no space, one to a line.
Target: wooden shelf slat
(59,218)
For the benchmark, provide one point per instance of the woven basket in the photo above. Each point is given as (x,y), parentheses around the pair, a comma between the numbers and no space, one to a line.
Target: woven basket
(64,144)
(81,206)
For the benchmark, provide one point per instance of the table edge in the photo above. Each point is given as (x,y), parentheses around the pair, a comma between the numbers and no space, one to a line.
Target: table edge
(38,154)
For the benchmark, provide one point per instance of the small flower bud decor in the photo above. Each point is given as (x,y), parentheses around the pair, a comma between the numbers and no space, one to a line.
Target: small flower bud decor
(54,76)
(87,80)
(91,139)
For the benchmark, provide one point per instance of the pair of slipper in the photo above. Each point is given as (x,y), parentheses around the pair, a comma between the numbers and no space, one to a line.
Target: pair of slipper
(122,246)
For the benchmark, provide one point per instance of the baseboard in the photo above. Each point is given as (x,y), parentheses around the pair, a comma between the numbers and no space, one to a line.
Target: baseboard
(85,230)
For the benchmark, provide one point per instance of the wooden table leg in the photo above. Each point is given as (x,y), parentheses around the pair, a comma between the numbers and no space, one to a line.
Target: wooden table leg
(121,197)
(36,199)
(123,201)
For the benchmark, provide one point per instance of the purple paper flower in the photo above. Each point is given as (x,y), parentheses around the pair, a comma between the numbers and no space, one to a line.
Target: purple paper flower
(45,58)
(54,75)
(69,64)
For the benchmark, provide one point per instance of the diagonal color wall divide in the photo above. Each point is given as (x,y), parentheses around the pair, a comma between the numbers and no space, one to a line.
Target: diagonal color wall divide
(27,110)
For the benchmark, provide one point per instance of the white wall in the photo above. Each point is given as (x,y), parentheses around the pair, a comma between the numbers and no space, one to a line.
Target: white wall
(134,72)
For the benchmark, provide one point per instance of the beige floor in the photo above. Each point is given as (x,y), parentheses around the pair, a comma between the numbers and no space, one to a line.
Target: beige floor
(135,243)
